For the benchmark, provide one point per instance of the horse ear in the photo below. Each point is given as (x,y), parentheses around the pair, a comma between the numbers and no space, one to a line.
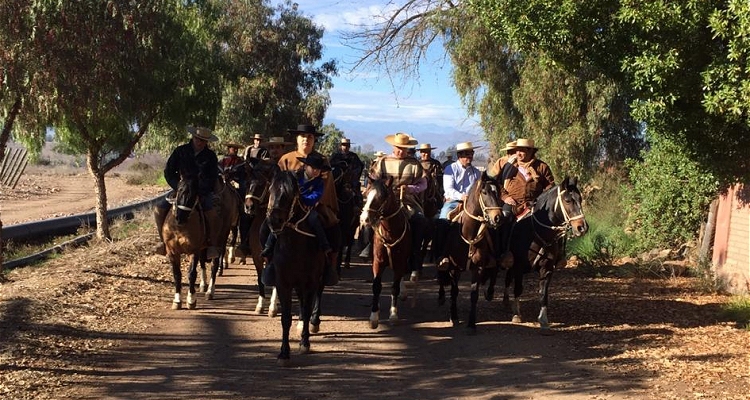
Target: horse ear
(388,181)
(574,181)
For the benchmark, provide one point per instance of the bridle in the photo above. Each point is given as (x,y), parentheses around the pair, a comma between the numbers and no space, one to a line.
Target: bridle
(289,215)
(483,220)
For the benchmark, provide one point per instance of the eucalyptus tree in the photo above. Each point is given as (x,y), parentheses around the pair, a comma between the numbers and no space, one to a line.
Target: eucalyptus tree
(112,69)
(275,77)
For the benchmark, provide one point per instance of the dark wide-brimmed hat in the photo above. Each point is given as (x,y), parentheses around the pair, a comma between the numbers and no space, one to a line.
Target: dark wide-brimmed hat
(401,140)
(305,129)
(346,141)
(316,161)
(202,133)
(276,140)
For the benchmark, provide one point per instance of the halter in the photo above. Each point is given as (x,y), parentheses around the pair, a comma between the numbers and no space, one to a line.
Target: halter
(290,215)
(560,229)
(483,220)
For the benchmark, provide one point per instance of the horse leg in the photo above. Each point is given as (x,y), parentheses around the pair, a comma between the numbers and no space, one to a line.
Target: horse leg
(306,300)
(455,277)
(377,287)
(177,274)
(395,289)
(489,293)
(348,257)
(316,310)
(286,323)
(471,324)
(443,279)
(546,277)
(199,259)
(261,289)
(212,282)
(517,290)
(192,276)
(273,304)
(506,291)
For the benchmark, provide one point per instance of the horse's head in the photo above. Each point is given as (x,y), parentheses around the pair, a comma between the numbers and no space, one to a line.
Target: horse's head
(259,180)
(186,197)
(376,198)
(283,196)
(569,205)
(483,201)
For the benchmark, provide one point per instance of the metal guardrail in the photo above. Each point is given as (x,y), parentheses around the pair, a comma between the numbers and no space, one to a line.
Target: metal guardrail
(63,226)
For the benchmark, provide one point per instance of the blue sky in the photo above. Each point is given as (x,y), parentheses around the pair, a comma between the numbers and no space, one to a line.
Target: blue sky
(367,97)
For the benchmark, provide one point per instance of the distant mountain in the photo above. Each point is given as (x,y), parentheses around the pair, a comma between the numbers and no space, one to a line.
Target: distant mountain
(366,134)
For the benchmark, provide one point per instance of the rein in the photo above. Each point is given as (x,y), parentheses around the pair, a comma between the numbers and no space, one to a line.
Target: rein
(379,230)
(483,220)
(559,229)
(288,223)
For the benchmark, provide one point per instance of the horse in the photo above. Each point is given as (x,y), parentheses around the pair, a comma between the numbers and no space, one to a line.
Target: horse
(256,201)
(348,212)
(298,258)
(470,245)
(184,232)
(537,242)
(433,202)
(391,242)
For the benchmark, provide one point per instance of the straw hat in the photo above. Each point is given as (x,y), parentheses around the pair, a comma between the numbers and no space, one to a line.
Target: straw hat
(401,140)
(202,133)
(509,146)
(379,154)
(305,129)
(425,147)
(258,136)
(527,143)
(466,146)
(276,140)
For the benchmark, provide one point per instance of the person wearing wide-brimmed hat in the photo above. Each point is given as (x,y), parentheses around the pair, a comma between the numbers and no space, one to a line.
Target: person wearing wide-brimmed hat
(409,179)
(353,167)
(197,159)
(277,146)
(311,188)
(434,171)
(233,166)
(256,150)
(306,135)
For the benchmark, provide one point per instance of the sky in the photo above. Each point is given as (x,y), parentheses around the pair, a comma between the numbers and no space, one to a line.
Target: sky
(363,96)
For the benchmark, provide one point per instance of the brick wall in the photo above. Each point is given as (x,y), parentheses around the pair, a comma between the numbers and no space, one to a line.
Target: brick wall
(731,256)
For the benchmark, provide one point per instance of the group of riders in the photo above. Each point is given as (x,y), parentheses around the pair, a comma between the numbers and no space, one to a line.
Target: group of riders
(431,193)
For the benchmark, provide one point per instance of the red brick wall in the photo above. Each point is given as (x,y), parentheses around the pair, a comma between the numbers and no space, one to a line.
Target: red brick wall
(731,257)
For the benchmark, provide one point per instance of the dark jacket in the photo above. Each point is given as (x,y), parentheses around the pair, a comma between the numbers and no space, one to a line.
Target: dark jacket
(204,164)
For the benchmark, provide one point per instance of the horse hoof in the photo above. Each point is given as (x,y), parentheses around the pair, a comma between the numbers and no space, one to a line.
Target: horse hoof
(272,312)
(283,362)
(258,309)
(209,296)
(516,319)
(176,305)
(456,323)
(202,288)
(374,324)
(314,328)
(489,295)
(304,349)
(191,306)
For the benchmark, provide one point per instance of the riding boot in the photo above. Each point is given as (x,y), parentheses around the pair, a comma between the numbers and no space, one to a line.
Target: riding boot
(160,214)
(212,230)
(506,259)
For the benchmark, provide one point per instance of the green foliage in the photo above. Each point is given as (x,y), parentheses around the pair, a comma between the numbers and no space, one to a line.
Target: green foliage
(669,197)
(738,310)
(330,142)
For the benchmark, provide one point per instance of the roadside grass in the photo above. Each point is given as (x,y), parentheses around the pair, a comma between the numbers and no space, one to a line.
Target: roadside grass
(738,310)
(141,173)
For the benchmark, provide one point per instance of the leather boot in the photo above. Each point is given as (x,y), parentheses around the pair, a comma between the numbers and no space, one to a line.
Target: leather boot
(212,230)
(160,215)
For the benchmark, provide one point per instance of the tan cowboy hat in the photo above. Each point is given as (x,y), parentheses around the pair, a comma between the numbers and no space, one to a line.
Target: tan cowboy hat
(509,146)
(346,141)
(258,136)
(379,154)
(527,143)
(465,146)
(202,133)
(401,140)
(425,147)
(276,140)
(304,129)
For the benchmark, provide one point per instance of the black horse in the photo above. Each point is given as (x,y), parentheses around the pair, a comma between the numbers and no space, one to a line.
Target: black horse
(537,242)
(470,246)
(297,257)
(349,209)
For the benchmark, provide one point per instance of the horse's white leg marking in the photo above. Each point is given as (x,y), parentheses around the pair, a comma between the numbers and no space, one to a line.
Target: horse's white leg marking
(394,310)
(273,307)
(517,310)
(366,207)
(543,321)
(203,280)
(230,254)
(191,301)
(176,303)
(211,289)
(374,319)
(300,326)
(259,307)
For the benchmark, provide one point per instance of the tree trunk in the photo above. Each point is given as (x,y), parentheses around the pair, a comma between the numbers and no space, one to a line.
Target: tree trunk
(4,137)
(102,224)
(708,235)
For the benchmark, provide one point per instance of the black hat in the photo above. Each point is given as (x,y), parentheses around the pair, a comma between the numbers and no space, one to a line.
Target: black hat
(316,161)
(305,129)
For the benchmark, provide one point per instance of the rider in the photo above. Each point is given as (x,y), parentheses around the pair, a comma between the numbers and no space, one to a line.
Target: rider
(408,182)
(276,146)
(233,167)
(432,167)
(366,231)
(256,150)
(195,158)
(354,165)
(311,190)
(458,177)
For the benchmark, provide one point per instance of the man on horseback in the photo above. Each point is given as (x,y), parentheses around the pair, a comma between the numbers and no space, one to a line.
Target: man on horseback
(328,206)
(256,150)
(233,167)
(408,182)
(434,173)
(458,177)
(276,148)
(197,159)
(354,166)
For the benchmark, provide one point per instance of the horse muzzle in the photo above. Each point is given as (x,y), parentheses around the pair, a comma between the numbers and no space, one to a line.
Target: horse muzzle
(579,227)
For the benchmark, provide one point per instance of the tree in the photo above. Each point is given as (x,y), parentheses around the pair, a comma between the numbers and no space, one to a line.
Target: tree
(330,142)
(115,67)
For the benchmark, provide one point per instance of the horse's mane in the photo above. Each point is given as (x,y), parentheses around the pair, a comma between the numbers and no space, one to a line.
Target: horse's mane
(283,183)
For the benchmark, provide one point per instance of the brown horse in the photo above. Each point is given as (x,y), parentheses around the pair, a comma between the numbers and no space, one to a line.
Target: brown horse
(298,258)
(470,245)
(184,232)
(391,244)
(537,242)
(256,201)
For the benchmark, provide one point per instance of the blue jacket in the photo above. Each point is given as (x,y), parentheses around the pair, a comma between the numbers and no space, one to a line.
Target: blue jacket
(310,190)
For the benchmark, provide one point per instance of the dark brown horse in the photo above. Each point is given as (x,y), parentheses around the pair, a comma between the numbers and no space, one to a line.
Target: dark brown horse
(537,242)
(349,211)
(184,232)
(471,247)
(256,202)
(298,258)
(391,244)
